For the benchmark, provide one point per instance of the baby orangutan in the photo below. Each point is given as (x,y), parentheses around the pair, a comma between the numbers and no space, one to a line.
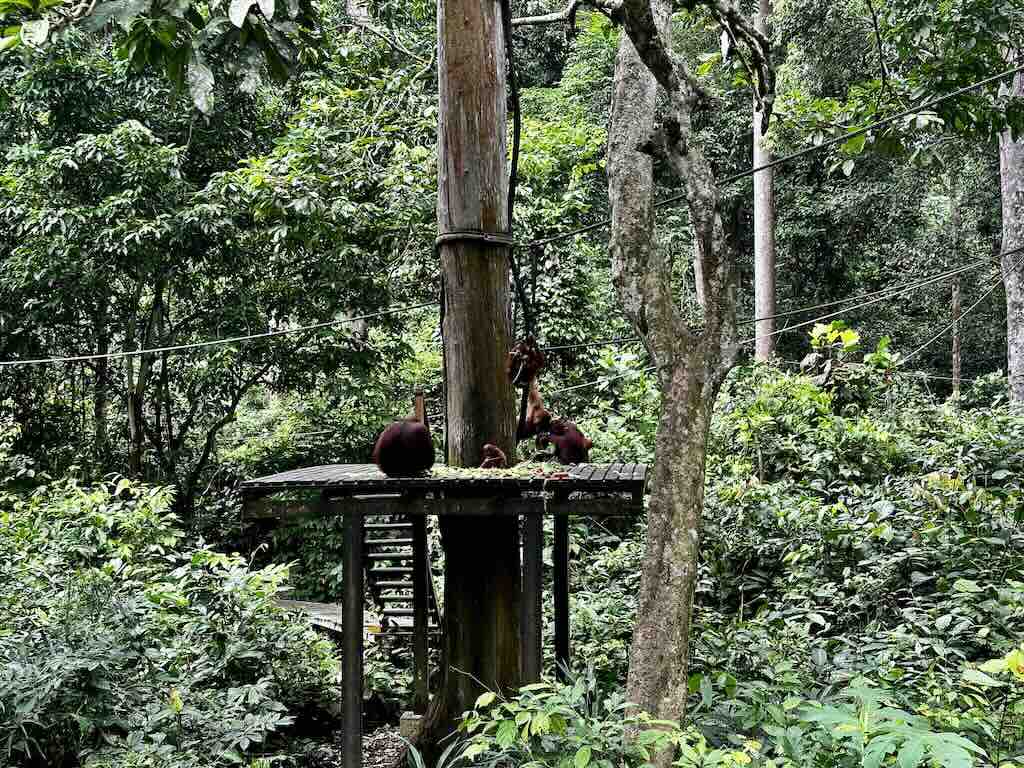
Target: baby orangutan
(493,457)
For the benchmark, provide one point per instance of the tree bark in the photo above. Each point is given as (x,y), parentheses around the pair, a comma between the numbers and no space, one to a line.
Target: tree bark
(137,388)
(954,204)
(1011,174)
(101,384)
(482,588)
(956,354)
(764,225)
(691,363)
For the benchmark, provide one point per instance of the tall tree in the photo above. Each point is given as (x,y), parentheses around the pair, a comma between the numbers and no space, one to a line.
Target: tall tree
(481,583)
(1011,174)
(764,221)
(691,362)
(933,50)
(954,225)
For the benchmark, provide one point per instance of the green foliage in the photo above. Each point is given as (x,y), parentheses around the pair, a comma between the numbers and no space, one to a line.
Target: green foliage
(123,648)
(570,725)
(787,426)
(883,547)
(245,40)
(860,729)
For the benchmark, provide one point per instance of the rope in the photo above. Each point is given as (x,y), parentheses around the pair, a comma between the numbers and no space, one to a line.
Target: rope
(945,329)
(214,342)
(594,343)
(952,272)
(924,283)
(892,294)
(513,173)
(474,235)
(858,297)
(800,153)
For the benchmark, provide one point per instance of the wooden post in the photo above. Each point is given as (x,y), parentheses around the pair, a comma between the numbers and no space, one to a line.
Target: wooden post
(352,641)
(533,554)
(420,598)
(482,573)
(561,590)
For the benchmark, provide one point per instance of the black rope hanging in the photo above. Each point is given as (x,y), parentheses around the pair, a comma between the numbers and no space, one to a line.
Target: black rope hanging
(513,172)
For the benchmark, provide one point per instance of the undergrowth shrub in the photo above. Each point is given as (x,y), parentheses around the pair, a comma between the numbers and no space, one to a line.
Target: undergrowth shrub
(120,647)
(865,559)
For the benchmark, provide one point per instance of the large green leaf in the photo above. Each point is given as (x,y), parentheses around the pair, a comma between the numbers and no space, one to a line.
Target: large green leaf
(200,83)
(238,10)
(910,753)
(35,32)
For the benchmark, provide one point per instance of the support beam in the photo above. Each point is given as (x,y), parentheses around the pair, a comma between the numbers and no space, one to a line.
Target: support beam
(533,585)
(622,506)
(420,597)
(561,589)
(352,641)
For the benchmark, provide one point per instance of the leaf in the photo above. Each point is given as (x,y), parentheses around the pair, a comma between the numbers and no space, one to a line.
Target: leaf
(876,751)
(485,699)
(819,657)
(35,32)
(693,683)
(943,621)
(950,755)
(539,724)
(267,8)
(6,43)
(1000,474)
(978,677)
(238,10)
(848,167)
(910,753)
(966,585)
(200,83)
(582,759)
(506,735)
(855,145)
(123,12)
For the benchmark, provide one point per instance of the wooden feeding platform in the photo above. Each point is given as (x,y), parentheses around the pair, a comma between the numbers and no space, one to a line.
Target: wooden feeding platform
(360,491)
(336,481)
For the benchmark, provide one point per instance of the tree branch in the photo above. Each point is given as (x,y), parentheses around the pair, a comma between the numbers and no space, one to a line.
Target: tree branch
(393,42)
(759,46)
(881,59)
(608,7)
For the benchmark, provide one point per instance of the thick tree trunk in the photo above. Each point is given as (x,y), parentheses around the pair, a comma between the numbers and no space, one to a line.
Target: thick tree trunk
(659,658)
(1011,173)
(764,225)
(482,589)
(691,365)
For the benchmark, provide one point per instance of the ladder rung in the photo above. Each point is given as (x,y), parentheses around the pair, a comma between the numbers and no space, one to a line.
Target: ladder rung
(389,542)
(433,630)
(388,555)
(387,526)
(398,612)
(392,584)
(390,571)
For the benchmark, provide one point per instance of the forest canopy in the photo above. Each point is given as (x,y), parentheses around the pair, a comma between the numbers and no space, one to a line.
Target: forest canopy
(772,251)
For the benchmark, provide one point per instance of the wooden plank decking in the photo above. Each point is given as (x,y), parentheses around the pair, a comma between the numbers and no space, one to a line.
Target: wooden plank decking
(348,479)
(328,615)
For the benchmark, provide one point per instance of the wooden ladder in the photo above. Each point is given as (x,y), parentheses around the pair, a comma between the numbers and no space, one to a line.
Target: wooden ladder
(388,553)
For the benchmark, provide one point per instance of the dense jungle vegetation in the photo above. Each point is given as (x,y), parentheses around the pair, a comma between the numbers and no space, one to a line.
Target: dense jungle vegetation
(860,585)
